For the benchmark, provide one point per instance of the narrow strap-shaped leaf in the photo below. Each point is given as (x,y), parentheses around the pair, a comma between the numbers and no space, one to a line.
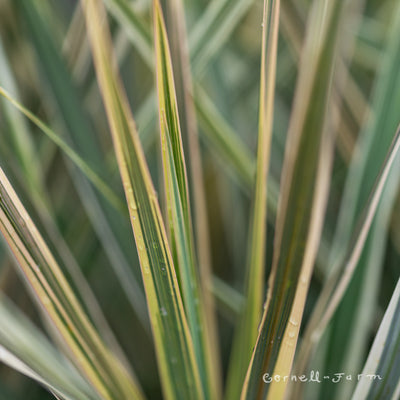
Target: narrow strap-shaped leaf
(216,132)
(168,104)
(380,377)
(52,291)
(300,213)
(102,186)
(337,284)
(22,142)
(246,333)
(293,27)
(77,128)
(373,144)
(197,193)
(24,348)
(230,148)
(174,347)
(31,171)
(180,221)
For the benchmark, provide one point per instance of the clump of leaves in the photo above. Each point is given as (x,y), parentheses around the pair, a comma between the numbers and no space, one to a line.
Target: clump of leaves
(182,259)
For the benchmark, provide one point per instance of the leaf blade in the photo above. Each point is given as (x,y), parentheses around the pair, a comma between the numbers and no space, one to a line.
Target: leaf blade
(97,181)
(52,291)
(178,369)
(309,142)
(380,377)
(108,223)
(180,222)
(34,356)
(246,333)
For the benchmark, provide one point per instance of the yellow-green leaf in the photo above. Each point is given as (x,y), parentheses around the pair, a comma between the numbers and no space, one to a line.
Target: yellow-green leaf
(180,222)
(98,182)
(53,293)
(304,190)
(246,333)
(174,347)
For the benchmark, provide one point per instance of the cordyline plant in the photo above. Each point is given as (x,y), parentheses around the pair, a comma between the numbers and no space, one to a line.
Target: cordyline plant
(171,260)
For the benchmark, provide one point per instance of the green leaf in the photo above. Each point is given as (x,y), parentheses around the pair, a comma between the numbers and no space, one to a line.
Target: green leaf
(24,348)
(22,142)
(350,103)
(174,347)
(178,205)
(373,145)
(55,297)
(381,376)
(228,145)
(30,170)
(337,284)
(246,333)
(197,191)
(302,200)
(103,188)
(109,224)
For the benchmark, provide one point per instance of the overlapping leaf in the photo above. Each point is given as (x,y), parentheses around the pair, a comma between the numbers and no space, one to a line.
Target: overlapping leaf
(380,377)
(54,295)
(300,213)
(25,349)
(102,186)
(174,347)
(180,222)
(109,225)
(246,334)
(338,283)
(196,182)
(30,170)
(374,145)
